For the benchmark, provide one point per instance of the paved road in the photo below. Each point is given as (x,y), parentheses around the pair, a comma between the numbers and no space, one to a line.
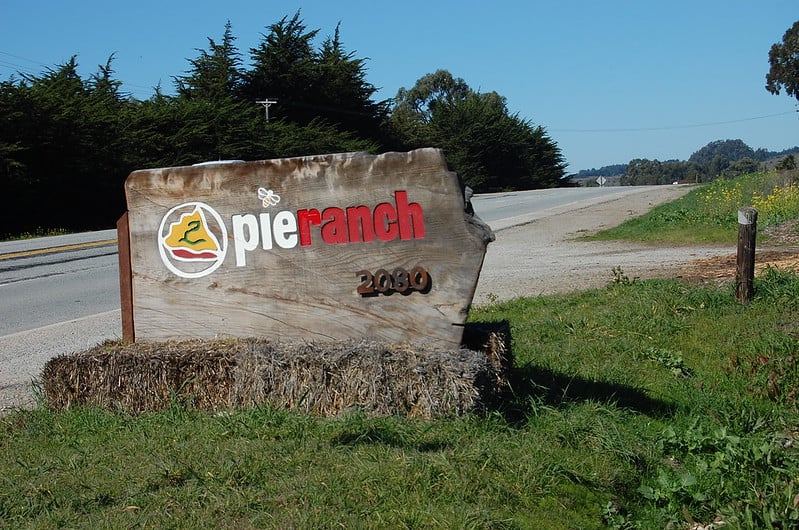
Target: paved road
(57,279)
(493,207)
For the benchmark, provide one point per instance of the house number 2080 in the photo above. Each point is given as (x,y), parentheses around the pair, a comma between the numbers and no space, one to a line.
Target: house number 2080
(399,280)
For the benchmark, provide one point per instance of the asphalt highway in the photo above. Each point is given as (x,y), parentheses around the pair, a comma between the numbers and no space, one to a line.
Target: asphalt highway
(56,279)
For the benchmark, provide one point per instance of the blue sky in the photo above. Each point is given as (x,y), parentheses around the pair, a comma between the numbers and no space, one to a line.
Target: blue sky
(609,80)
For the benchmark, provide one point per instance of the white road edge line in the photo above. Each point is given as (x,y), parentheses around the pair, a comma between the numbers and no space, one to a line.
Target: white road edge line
(49,326)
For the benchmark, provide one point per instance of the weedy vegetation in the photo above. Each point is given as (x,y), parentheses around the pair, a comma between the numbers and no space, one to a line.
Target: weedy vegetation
(39,232)
(709,214)
(643,404)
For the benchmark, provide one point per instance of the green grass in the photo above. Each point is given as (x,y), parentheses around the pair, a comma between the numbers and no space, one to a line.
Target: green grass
(709,214)
(677,223)
(644,404)
(634,406)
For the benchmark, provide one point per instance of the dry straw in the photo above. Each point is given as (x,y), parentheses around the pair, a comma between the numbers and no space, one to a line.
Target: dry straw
(321,379)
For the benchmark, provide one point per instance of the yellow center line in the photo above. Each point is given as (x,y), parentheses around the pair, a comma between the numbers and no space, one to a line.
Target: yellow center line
(26,253)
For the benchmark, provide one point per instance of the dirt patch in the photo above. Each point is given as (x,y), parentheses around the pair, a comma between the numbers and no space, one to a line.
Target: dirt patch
(786,233)
(721,269)
(782,253)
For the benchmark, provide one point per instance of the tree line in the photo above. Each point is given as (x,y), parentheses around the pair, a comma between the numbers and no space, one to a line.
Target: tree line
(67,143)
(718,159)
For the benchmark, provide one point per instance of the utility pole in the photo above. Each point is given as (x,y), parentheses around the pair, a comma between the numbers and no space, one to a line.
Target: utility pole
(267,103)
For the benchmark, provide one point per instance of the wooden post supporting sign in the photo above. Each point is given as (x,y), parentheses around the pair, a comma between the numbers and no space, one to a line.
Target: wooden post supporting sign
(745,269)
(125,279)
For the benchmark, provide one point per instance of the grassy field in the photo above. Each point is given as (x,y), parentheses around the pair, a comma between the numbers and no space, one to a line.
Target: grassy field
(644,404)
(709,214)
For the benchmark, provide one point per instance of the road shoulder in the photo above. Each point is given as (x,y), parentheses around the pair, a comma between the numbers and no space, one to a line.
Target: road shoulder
(544,256)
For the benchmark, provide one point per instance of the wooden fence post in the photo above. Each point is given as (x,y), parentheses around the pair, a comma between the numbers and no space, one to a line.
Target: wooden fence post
(745,265)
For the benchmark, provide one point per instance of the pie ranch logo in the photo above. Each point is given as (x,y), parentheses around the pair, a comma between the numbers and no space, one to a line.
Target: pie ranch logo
(192,240)
(193,237)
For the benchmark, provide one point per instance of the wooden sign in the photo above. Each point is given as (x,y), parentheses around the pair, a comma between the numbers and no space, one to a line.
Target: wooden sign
(317,248)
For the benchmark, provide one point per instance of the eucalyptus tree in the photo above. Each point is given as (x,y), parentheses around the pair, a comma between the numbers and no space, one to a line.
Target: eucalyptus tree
(783,59)
(413,108)
(488,146)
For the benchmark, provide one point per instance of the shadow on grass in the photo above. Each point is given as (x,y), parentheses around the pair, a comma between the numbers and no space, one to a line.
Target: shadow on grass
(533,384)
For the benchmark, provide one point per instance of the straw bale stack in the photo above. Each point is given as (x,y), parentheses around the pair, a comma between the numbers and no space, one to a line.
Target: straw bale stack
(317,378)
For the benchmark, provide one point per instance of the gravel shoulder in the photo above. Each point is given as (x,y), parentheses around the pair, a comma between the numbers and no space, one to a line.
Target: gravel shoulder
(543,255)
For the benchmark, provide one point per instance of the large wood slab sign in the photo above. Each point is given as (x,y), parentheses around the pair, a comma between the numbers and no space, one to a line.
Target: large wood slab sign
(326,247)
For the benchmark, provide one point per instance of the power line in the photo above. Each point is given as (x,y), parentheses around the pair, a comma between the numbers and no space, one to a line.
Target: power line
(13,66)
(23,58)
(16,68)
(672,127)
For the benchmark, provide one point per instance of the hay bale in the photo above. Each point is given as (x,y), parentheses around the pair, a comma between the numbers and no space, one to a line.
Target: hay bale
(141,377)
(317,378)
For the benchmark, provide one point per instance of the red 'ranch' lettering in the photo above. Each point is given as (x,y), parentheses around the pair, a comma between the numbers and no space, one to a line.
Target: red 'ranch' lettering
(409,216)
(304,219)
(335,228)
(386,228)
(360,224)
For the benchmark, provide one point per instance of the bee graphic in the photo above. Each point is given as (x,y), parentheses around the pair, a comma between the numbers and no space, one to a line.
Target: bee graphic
(268,197)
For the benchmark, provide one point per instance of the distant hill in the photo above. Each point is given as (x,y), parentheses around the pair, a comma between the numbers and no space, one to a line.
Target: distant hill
(761,155)
(734,150)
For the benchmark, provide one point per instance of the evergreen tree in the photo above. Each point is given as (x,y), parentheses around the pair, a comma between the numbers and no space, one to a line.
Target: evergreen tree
(215,74)
(63,146)
(19,184)
(213,124)
(341,93)
(310,86)
(284,139)
(283,68)
(152,124)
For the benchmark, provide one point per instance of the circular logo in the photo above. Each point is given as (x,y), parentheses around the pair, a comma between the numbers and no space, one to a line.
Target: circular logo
(192,240)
